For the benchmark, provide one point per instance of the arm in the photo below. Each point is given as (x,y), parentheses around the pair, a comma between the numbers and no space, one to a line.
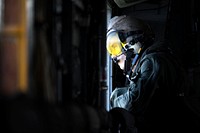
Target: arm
(137,94)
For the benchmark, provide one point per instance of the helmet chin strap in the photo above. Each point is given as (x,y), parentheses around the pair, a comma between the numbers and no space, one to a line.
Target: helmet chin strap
(128,61)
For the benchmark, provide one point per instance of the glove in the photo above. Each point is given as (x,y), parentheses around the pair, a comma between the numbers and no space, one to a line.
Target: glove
(115,95)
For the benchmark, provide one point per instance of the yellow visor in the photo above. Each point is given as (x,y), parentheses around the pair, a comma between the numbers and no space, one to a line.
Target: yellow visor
(113,44)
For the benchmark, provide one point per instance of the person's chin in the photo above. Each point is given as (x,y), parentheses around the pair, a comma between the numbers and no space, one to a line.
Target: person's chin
(121,67)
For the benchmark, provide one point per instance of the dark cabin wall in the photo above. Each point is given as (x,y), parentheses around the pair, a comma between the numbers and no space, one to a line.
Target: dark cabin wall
(73,35)
(87,48)
(184,34)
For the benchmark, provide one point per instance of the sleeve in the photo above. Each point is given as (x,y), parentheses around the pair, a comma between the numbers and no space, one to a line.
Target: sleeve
(137,94)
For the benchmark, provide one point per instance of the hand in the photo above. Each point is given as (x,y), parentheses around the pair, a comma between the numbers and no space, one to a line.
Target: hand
(116,93)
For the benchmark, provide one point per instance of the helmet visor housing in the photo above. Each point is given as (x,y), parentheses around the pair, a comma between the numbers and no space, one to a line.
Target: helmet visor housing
(113,44)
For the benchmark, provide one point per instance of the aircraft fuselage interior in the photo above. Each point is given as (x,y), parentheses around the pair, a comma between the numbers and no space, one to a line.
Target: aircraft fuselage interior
(57,76)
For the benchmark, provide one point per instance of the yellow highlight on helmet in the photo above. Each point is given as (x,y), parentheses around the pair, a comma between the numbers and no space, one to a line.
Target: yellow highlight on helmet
(113,44)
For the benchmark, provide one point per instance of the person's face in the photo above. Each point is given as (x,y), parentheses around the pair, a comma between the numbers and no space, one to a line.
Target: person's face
(120,60)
